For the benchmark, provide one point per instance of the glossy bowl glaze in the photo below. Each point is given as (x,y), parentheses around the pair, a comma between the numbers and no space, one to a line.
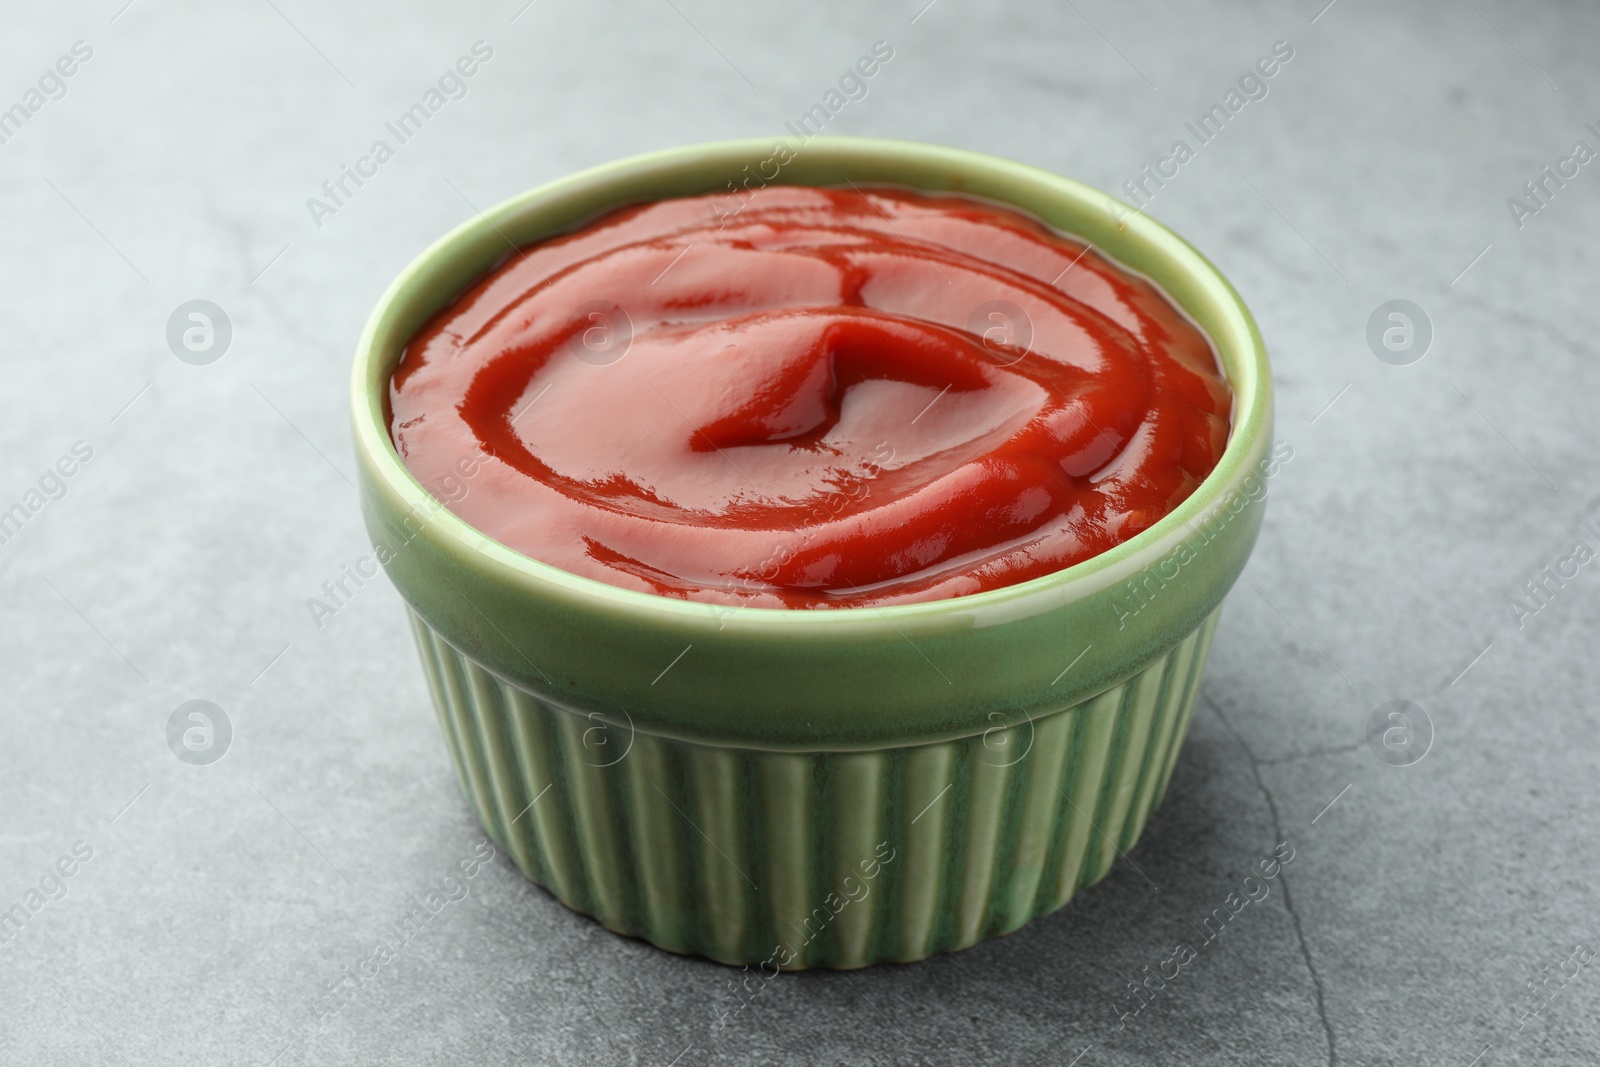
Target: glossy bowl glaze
(824,788)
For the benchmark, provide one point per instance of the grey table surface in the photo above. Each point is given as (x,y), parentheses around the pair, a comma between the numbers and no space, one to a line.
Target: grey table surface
(217,903)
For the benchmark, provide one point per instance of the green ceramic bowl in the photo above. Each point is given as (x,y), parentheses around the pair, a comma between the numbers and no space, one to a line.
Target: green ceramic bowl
(827,788)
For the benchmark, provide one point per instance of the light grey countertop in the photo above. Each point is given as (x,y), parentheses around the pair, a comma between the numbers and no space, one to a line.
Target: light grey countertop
(218,902)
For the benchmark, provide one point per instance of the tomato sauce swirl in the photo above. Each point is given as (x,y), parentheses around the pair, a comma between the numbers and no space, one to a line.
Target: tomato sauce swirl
(831,398)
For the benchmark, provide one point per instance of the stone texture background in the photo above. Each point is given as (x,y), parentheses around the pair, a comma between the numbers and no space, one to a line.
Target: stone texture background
(220,900)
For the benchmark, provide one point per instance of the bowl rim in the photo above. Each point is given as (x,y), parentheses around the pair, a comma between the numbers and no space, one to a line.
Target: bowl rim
(1242,354)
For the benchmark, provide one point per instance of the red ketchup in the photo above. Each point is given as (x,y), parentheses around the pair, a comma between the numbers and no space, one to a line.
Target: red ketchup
(827,398)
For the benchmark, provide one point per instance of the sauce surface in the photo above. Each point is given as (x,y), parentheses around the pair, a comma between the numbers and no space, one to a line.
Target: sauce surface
(825,398)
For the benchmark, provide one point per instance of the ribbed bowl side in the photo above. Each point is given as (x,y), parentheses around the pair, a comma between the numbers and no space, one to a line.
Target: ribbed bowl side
(814,859)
